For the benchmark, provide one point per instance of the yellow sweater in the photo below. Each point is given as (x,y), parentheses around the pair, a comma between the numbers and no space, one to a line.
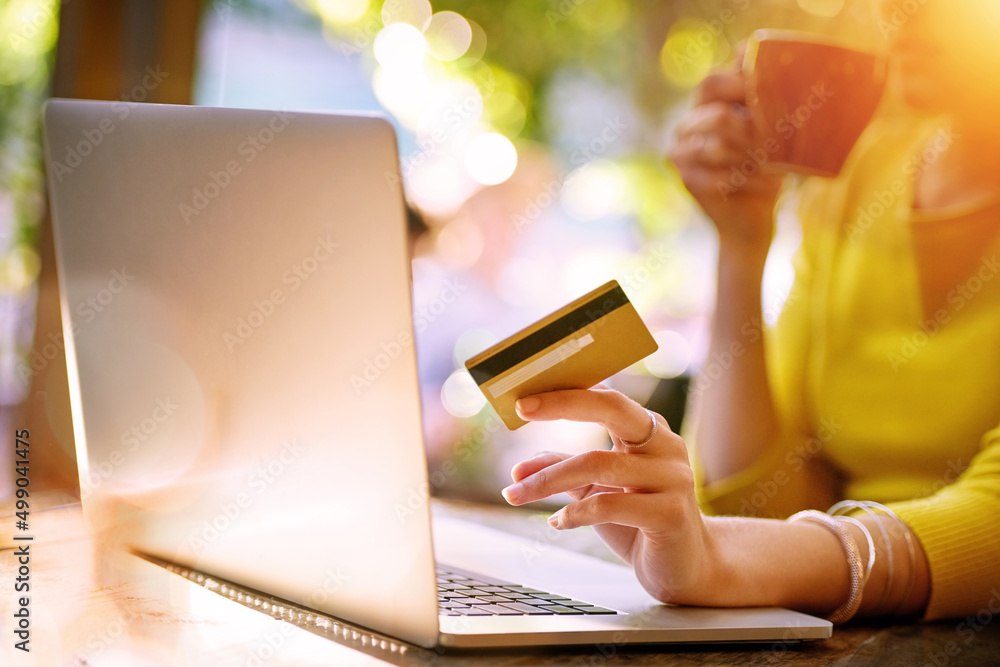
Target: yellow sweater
(885,366)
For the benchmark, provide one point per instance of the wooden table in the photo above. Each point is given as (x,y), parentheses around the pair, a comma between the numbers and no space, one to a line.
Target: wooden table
(92,604)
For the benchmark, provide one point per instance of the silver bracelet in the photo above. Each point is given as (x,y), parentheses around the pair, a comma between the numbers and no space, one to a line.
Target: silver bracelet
(859,573)
(845,506)
(910,547)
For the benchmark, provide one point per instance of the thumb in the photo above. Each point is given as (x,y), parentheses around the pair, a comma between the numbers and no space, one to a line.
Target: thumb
(739,55)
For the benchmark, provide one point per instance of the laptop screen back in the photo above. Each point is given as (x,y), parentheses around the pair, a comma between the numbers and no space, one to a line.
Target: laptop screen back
(224,275)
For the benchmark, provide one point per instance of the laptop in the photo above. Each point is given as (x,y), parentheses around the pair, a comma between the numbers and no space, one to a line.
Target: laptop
(225,273)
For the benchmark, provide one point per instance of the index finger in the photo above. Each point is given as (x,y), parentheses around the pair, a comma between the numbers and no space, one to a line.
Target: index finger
(621,416)
(724,86)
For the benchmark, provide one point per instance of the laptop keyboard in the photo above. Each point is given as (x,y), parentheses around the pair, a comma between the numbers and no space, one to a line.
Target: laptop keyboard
(467,594)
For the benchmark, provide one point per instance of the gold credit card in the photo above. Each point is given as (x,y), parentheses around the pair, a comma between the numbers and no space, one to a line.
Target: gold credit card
(575,347)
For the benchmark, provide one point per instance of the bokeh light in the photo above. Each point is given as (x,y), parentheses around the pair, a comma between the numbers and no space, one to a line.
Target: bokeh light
(691,50)
(583,270)
(460,395)
(596,190)
(483,76)
(448,36)
(401,93)
(672,358)
(519,280)
(400,47)
(342,11)
(507,97)
(601,17)
(453,111)
(415,13)
(506,113)
(28,26)
(471,343)
(18,269)
(660,202)
(477,46)
(490,158)
(440,185)
(29,30)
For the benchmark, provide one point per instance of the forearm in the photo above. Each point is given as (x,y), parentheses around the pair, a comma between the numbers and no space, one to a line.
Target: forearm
(802,565)
(735,414)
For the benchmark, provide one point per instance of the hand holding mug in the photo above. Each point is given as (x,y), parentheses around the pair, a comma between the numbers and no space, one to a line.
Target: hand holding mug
(720,152)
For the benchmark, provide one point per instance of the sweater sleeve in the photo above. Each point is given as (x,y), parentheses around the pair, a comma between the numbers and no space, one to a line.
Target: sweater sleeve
(959,529)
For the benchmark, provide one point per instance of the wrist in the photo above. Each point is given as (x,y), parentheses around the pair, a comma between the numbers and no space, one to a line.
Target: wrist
(769,563)
(744,250)
(724,583)
(736,567)
(740,273)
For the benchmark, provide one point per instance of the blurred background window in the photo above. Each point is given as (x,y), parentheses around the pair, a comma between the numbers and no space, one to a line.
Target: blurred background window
(531,136)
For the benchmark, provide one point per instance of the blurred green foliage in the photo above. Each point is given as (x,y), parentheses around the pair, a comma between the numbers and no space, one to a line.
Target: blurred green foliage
(28,29)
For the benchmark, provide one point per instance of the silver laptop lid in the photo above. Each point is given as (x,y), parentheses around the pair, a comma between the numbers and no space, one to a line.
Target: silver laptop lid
(227,278)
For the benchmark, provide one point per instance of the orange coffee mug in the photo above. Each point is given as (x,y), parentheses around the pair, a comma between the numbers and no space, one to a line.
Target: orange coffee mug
(811,98)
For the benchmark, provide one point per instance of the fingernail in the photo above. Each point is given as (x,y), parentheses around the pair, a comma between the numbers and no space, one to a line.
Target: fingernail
(526,405)
(513,493)
(556,520)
